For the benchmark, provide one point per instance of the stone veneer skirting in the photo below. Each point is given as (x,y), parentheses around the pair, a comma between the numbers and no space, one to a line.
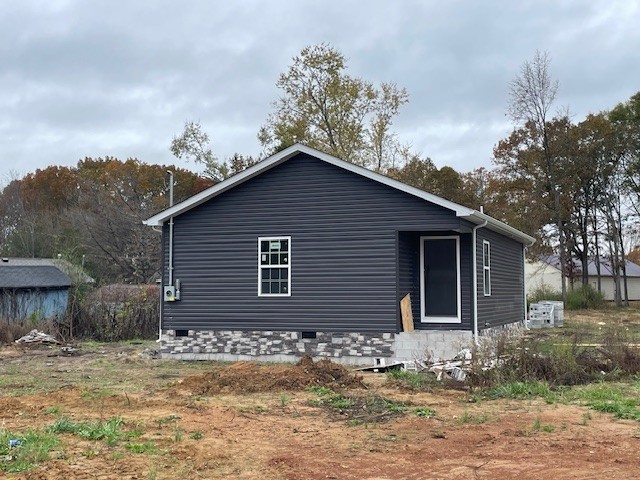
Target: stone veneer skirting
(515,328)
(276,346)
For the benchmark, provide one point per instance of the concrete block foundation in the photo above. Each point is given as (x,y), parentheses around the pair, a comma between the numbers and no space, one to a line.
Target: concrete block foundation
(353,348)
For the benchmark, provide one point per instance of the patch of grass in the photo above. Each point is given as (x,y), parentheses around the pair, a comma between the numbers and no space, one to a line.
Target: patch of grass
(520,390)
(167,420)
(620,399)
(538,426)
(339,402)
(34,448)
(321,391)
(467,417)
(63,425)
(136,432)
(109,430)
(395,407)
(196,435)
(53,410)
(626,409)
(284,399)
(178,434)
(256,409)
(153,473)
(90,453)
(418,381)
(142,447)
(425,412)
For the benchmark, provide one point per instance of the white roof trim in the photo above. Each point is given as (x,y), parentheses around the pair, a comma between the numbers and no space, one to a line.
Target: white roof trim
(284,155)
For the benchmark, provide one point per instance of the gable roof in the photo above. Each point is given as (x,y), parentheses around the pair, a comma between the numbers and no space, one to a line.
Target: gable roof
(470,214)
(75,272)
(606,270)
(33,276)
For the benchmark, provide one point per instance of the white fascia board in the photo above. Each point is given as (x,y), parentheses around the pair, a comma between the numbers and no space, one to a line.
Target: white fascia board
(500,227)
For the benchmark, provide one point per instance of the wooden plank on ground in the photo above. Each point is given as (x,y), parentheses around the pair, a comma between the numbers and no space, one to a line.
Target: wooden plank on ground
(407,314)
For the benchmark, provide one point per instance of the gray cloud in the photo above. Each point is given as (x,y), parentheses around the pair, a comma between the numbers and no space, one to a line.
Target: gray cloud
(120,78)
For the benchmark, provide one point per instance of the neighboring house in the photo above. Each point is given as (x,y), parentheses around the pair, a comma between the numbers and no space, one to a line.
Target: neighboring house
(304,253)
(545,272)
(31,288)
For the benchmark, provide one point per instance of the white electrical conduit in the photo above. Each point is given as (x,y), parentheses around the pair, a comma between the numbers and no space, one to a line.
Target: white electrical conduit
(170,254)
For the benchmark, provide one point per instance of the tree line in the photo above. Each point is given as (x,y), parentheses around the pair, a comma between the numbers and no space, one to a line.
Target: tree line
(574,185)
(91,215)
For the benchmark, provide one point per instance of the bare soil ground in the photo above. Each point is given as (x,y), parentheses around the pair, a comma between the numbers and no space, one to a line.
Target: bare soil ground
(247,421)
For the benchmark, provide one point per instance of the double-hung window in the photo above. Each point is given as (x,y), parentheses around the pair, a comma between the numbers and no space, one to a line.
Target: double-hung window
(486,267)
(274,266)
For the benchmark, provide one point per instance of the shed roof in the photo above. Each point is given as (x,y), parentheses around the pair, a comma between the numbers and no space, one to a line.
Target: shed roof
(75,272)
(469,214)
(33,276)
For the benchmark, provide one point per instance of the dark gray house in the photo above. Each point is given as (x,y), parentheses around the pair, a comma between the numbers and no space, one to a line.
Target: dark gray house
(306,253)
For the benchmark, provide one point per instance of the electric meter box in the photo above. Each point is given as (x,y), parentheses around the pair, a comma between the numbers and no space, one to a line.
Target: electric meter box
(169,293)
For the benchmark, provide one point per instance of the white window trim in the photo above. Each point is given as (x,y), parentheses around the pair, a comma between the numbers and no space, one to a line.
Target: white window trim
(423,317)
(486,268)
(261,267)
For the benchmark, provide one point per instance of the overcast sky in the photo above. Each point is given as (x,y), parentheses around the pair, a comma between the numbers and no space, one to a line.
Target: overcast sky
(97,78)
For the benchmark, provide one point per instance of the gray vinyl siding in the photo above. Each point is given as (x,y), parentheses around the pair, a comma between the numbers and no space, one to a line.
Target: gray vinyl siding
(506,303)
(344,261)
(409,278)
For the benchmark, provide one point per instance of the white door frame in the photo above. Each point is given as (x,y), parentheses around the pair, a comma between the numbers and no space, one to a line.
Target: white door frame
(440,319)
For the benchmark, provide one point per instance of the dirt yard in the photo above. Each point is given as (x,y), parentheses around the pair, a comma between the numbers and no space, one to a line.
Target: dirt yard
(245,421)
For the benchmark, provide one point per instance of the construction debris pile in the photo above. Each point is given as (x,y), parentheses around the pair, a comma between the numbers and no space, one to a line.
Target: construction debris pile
(34,336)
(252,377)
(455,369)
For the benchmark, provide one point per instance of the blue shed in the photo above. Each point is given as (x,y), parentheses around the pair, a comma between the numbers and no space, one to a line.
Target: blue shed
(32,289)
(304,253)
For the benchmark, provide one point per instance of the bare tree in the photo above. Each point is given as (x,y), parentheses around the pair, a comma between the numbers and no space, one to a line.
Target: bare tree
(193,144)
(531,96)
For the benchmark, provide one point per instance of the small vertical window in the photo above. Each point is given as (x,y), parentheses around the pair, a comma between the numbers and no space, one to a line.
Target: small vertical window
(486,267)
(274,266)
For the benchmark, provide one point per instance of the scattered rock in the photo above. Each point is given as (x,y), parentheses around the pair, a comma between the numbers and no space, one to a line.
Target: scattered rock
(150,353)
